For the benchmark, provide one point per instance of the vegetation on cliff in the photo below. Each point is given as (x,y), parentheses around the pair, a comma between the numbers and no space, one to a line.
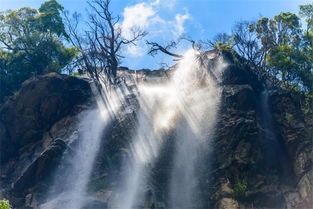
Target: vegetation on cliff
(4,204)
(261,150)
(280,49)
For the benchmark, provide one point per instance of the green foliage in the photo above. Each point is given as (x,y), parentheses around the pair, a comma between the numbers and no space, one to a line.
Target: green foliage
(288,47)
(241,188)
(50,17)
(223,46)
(31,44)
(284,28)
(306,11)
(308,104)
(75,74)
(4,204)
(283,61)
(289,117)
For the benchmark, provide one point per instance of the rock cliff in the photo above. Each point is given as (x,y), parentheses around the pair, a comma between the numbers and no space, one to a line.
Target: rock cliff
(250,164)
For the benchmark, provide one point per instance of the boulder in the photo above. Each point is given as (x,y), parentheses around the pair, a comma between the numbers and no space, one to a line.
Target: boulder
(227,203)
(41,102)
(41,168)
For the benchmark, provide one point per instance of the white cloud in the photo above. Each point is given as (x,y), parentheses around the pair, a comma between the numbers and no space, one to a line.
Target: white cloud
(155,3)
(179,24)
(145,16)
(169,3)
(135,50)
(136,16)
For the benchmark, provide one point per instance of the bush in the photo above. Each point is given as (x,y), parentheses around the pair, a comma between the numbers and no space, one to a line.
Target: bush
(289,117)
(4,204)
(240,188)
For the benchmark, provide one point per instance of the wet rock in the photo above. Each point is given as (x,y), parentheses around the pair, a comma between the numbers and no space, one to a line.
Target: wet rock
(238,154)
(302,198)
(296,130)
(30,201)
(234,75)
(225,189)
(40,169)
(240,97)
(46,109)
(227,203)
(40,103)
(95,204)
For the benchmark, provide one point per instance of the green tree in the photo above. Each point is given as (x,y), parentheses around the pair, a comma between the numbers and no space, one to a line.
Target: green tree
(306,11)
(284,59)
(306,71)
(284,28)
(31,44)
(50,18)
(287,47)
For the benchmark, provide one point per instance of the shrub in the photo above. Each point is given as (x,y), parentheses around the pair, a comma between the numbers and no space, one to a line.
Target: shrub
(241,187)
(4,204)
(289,117)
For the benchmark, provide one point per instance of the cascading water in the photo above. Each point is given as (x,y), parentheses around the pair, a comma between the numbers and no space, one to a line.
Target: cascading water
(187,103)
(84,143)
(199,100)
(276,158)
(270,141)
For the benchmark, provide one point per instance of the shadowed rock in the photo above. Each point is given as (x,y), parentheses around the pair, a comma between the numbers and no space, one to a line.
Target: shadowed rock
(40,103)
(41,168)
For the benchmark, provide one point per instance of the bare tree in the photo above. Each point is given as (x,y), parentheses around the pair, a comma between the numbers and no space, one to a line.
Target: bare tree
(100,46)
(223,38)
(220,38)
(246,43)
(155,48)
(201,58)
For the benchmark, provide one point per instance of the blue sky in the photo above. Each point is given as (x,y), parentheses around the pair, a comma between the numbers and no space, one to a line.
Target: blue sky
(166,20)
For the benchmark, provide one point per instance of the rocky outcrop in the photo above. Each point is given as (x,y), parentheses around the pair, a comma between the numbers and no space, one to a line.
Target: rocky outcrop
(40,103)
(35,125)
(239,175)
(41,168)
(38,125)
(242,177)
(296,130)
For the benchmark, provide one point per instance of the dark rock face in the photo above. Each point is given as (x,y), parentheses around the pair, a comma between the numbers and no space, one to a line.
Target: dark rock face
(36,124)
(241,176)
(41,168)
(40,103)
(297,133)
(240,97)
(34,127)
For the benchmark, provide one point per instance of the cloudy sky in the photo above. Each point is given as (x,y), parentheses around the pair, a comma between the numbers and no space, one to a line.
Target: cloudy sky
(167,20)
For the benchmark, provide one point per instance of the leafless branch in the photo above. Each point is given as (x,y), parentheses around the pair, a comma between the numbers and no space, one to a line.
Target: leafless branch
(155,47)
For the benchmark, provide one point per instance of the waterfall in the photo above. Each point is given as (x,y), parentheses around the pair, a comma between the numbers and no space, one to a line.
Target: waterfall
(187,104)
(276,158)
(270,141)
(83,148)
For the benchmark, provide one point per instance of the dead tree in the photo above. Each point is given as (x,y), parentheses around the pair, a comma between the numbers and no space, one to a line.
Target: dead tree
(100,45)
(155,48)
(246,43)
(201,58)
